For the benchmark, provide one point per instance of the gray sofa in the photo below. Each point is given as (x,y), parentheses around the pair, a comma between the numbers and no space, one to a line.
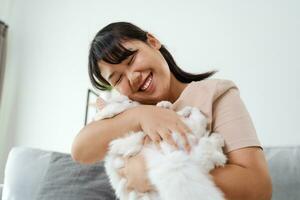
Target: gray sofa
(35,174)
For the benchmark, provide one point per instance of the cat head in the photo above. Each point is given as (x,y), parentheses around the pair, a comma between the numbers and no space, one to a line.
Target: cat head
(114,101)
(113,106)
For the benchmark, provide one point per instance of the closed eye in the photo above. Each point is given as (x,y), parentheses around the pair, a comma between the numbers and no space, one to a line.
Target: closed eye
(119,80)
(131,60)
(132,57)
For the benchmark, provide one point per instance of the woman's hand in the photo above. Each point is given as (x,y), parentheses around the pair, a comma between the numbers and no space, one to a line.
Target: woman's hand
(136,173)
(158,123)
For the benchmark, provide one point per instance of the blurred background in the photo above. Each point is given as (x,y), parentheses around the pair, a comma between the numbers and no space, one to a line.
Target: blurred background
(44,77)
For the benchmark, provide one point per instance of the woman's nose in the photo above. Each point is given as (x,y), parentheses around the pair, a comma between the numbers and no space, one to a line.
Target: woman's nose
(135,79)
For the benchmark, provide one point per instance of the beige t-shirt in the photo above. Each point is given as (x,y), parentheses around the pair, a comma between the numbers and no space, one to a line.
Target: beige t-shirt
(219,100)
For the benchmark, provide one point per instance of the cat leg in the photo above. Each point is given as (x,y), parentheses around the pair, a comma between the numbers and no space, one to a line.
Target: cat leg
(208,153)
(218,157)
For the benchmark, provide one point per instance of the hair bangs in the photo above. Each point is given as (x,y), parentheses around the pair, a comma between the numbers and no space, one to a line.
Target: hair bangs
(110,49)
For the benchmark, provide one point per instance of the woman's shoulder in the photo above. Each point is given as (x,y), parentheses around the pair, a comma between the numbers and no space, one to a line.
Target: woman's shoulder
(213,87)
(214,84)
(203,93)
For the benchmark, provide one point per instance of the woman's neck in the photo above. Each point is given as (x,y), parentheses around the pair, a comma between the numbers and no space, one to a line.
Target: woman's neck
(176,88)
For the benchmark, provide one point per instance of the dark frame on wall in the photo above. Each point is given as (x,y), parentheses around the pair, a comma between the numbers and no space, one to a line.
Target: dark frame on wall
(90,94)
(3,52)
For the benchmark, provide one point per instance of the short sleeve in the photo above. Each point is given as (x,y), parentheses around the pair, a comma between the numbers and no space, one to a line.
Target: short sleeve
(231,119)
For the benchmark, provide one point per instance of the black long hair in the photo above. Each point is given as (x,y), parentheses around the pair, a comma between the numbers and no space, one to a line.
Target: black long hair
(107,46)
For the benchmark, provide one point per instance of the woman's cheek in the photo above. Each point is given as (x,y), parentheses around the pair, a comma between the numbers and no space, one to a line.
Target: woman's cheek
(124,88)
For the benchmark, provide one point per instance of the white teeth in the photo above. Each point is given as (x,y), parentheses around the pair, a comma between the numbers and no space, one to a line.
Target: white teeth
(147,83)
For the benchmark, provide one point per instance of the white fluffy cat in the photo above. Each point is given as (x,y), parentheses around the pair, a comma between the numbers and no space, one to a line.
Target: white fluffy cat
(176,174)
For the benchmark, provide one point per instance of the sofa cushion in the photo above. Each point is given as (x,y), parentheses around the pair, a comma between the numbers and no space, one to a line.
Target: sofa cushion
(1,188)
(66,179)
(284,166)
(46,175)
(24,171)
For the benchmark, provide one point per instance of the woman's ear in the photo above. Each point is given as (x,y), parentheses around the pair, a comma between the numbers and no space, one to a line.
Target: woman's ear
(153,42)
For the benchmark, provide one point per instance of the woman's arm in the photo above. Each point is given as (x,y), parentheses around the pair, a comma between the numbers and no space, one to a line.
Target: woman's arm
(91,143)
(245,176)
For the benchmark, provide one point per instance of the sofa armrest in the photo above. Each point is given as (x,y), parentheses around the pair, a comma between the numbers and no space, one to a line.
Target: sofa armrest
(1,188)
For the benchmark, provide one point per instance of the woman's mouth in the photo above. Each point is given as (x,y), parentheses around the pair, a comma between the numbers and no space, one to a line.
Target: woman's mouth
(148,85)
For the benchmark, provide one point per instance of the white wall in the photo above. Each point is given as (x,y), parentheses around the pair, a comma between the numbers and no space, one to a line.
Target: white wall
(255,43)
(5,108)
(5,8)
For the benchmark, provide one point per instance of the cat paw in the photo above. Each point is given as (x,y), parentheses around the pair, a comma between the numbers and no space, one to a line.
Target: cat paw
(217,139)
(164,104)
(220,159)
(185,112)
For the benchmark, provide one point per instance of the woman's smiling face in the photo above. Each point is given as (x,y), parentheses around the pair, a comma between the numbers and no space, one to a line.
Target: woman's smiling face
(144,76)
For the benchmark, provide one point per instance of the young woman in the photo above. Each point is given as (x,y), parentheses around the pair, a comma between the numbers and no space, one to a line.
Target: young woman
(134,62)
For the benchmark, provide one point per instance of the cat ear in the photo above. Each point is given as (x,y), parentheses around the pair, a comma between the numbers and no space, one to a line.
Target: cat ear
(100,103)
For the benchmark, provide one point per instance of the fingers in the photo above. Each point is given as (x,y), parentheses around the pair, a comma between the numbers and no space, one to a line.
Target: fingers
(166,135)
(147,139)
(155,137)
(129,186)
(127,183)
(183,130)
